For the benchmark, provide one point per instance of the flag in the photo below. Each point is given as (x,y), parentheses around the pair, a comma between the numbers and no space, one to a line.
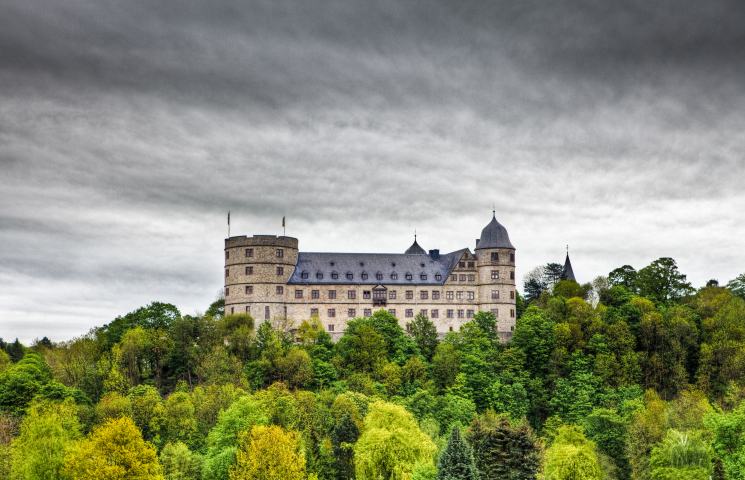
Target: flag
(228,217)
(283,221)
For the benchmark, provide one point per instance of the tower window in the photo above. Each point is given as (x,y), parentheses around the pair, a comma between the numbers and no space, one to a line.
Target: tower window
(512,312)
(249,270)
(494,256)
(227,272)
(227,255)
(512,295)
(280,271)
(249,252)
(266,313)
(495,274)
(232,309)
(512,275)
(495,294)
(227,291)
(512,328)
(280,253)
(249,290)
(512,257)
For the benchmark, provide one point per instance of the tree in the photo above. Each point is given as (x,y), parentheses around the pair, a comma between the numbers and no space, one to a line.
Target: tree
(343,437)
(608,430)
(269,453)
(681,456)
(46,432)
(179,422)
(504,450)
(237,331)
(424,333)
(718,472)
(295,367)
(572,456)
(456,461)
(391,444)
(71,360)
(147,410)
(662,280)
(737,286)
(553,273)
(625,276)
(180,463)
(533,289)
(115,451)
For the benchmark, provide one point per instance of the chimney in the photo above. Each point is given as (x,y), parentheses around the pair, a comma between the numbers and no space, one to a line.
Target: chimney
(435,254)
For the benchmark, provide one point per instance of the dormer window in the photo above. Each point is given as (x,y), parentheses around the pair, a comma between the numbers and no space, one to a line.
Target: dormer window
(350,275)
(304,275)
(332,264)
(438,276)
(421,265)
(394,276)
(423,276)
(409,276)
(379,276)
(319,276)
(393,264)
(362,264)
(334,275)
(364,275)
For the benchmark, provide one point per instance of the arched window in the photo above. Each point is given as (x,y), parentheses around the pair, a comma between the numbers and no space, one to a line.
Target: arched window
(304,274)
(319,276)
(379,276)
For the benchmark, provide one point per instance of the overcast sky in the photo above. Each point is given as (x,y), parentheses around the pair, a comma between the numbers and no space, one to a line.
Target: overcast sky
(128,129)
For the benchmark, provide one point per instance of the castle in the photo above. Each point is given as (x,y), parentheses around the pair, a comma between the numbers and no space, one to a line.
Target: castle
(267,276)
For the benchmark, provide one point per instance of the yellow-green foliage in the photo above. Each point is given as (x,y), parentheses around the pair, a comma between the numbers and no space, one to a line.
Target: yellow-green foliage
(572,457)
(392,444)
(269,453)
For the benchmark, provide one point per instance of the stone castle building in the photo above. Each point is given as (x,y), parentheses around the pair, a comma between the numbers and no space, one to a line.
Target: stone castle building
(267,276)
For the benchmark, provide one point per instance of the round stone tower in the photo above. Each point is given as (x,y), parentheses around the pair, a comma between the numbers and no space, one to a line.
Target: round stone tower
(256,272)
(496,260)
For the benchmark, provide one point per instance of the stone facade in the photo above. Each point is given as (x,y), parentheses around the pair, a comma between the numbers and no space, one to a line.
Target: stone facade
(261,278)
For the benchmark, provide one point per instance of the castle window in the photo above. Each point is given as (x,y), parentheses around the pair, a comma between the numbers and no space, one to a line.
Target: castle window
(453,277)
(409,313)
(438,276)
(470,264)
(512,259)
(512,295)
(232,309)
(459,295)
(351,312)
(462,278)
(227,272)
(449,295)
(379,276)
(362,264)
(495,294)
(423,276)
(392,311)
(334,275)
(285,312)
(249,270)
(512,275)
(280,271)
(249,252)
(469,313)
(368,312)
(512,312)
(451,327)
(423,313)
(435,294)
(423,294)
(409,276)
(266,313)
(227,255)
(280,253)
(365,293)
(462,264)
(313,311)
(331,326)
(364,275)
(227,291)
(351,294)
(450,315)
(248,308)
(392,295)
(495,312)
(304,275)
(512,328)
(471,278)
(435,313)
(319,275)
(460,313)
(280,290)
(298,294)
(409,294)
(332,294)
(314,294)
(494,256)
(379,294)
(394,276)
(350,275)
(332,312)
(469,295)
(495,274)
(421,265)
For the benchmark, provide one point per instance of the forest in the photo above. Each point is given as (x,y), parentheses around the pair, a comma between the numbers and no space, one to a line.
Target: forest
(635,375)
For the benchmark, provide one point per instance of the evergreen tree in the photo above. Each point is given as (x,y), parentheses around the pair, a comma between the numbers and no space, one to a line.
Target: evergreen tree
(503,451)
(456,461)
(718,472)
(344,435)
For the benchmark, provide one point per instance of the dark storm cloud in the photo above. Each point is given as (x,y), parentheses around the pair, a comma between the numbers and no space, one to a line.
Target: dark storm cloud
(128,128)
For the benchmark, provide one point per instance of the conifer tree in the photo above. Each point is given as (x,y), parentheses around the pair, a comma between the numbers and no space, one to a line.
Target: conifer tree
(502,451)
(456,461)
(718,472)
(344,435)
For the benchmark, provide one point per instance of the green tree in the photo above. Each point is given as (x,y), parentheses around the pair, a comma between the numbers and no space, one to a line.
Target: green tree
(343,437)
(718,471)
(180,463)
(572,456)
(424,333)
(534,335)
(737,286)
(504,450)
(391,444)
(269,453)
(147,411)
(456,461)
(608,430)
(625,276)
(681,456)
(662,280)
(47,431)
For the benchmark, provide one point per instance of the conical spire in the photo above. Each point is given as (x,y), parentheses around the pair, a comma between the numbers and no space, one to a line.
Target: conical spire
(415,249)
(568,272)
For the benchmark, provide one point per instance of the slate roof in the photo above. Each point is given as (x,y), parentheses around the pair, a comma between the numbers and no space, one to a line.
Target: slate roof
(568,272)
(415,249)
(372,264)
(494,235)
